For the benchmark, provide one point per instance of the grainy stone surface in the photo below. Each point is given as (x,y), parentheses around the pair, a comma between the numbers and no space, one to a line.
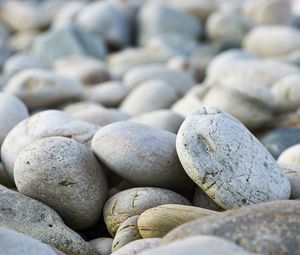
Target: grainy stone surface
(224,159)
(41,125)
(158,221)
(209,245)
(128,203)
(292,171)
(267,228)
(28,216)
(13,243)
(64,175)
(201,199)
(126,233)
(141,154)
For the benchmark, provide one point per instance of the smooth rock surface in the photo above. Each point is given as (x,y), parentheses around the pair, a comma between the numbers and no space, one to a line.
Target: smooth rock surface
(12,111)
(158,221)
(126,233)
(225,160)
(128,203)
(141,154)
(41,125)
(33,218)
(137,246)
(195,245)
(102,245)
(267,228)
(65,175)
(39,88)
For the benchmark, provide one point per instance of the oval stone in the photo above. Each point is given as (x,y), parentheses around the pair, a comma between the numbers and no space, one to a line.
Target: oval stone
(226,161)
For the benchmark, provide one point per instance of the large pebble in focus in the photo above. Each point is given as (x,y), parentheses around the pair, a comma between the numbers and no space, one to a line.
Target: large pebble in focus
(41,125)
(225,160)
(66,176)
(141,154)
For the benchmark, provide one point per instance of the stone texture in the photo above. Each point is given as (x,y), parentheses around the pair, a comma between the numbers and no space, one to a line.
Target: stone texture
(158,221)
(128,203)
(28,216)
(141,154)
(64,175)
(41,125)
(227,162)
(267,228)
(126,233)
(102,245)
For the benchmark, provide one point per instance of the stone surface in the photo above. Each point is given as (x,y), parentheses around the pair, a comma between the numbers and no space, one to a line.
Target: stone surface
(88,70)
(128,203)
(158,221)
(225,160)
(65,175)
(267,228)
(201,199)
(141,154)
(41,125)
(12,111)
(137,246)
(292,171)
(102,245)
(279,139)
(104,19)
(164,119)
(158,18)
(209,245)
(13,243)
(109,94)
(126,233)
(39,88)
(95,113)
(186,105)
(72,41)
(180,81)
(149,96)
(30,217)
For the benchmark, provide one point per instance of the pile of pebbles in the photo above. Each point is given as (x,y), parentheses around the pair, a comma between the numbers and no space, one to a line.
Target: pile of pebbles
(150,127)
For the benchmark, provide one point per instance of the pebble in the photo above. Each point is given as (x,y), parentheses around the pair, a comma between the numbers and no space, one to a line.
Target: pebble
(86,69)
(64,175)
(95,113)
(4,178)
(128,203)
(137,246)
(158,18)
(225,160)
(267,228)
(180,81)
(195,245)
(126,233)
(13,243)
(201,199)
(228,27)
(158,221)
(41,125)
(163,119)
(142,155)
(149,96)
(102,245)
(272,41)
(109,94)
(279,139)
(292,172)
(12,111)
(186,105)
(73,41)
(39,88)
(33,218)
(22,41)
(104,19)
